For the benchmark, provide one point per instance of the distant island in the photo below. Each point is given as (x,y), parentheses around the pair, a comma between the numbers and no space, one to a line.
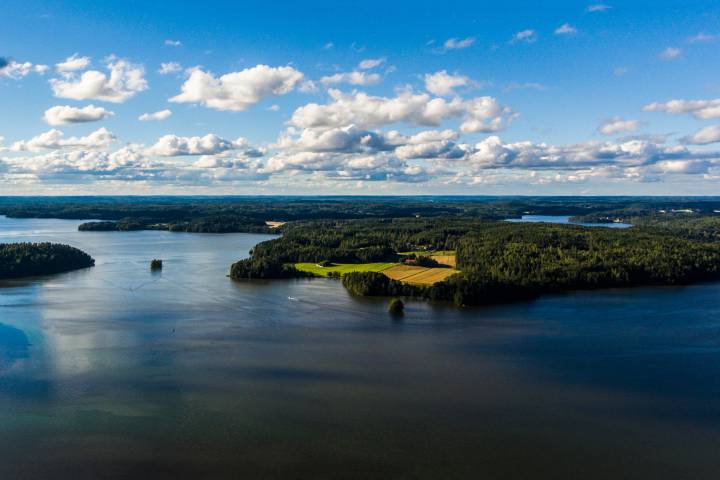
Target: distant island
(30,259)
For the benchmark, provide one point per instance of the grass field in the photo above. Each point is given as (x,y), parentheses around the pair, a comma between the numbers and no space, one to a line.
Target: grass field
(343,268)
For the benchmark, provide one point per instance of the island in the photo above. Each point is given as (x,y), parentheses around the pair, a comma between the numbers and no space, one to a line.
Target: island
(480,262)
(30,259)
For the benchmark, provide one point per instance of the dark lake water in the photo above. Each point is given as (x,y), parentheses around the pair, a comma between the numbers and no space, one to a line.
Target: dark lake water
(116,372)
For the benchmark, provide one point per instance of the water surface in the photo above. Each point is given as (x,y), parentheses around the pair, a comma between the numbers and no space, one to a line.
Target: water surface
(116,372)
(565,219)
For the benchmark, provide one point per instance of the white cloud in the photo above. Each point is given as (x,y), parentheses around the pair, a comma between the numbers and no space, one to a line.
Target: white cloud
(173,43)
(353,78)
(598,7)
(482,114)
(700,109)
(458,44)
(525,86)
(369,63)
(565,29)
(65,114)
(443,84)
(527,36)
(237,91)
(73,63)
(167,68)
(11,69)
(670,53)
(328,46)
(620,71)
(161,115)
(709,134)
(55,139)
(492,153)
(125,80)
(617,125)
(211,144)
(703,37)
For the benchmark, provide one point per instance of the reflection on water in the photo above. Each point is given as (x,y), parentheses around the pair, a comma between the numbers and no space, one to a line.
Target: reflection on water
(116,372)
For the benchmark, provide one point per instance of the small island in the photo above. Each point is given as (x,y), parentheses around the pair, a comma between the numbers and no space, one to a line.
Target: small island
(30,259)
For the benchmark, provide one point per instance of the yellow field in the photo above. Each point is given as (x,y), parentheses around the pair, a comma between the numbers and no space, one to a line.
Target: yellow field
(448,260)
(418,275)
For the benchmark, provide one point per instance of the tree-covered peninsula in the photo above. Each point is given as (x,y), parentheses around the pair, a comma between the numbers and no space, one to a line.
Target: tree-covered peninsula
(497,261)
(30,259)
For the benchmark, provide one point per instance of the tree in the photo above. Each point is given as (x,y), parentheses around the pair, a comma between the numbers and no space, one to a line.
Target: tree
(396,307)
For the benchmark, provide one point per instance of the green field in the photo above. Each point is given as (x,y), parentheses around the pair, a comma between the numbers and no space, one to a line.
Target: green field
(342,268)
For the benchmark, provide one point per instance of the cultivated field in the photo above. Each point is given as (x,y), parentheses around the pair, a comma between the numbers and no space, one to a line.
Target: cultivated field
(404,273)
(342,268)
(448,260)
(418,275)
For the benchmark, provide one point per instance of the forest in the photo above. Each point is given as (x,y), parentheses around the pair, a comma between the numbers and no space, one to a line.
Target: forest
(29,259)
(499,261)
(248,214)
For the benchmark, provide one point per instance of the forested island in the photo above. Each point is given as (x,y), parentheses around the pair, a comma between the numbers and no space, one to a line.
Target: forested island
(30,259)
(497,261)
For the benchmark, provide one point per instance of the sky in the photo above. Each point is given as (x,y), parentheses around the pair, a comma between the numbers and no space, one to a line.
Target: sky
(367,98)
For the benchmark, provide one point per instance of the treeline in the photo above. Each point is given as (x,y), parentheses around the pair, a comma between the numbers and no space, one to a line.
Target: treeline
(499,261)
(30,259)
(248,214)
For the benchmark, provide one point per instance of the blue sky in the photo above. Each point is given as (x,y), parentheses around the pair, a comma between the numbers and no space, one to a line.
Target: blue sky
(359,97)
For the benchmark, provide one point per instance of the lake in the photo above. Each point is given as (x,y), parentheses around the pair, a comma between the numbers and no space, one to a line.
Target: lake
(119,372)
(565,219)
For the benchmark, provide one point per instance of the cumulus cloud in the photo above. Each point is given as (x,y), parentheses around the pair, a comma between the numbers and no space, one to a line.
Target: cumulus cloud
(15,70)
(352,78)
(700,109)
(73,63)
(617,125)
(493,153)
(237,91)
(166,68)
(55,139)
(458,43)
(369,63)
(527,36)
(565,29)
(160,115)
(125,80)
(65,114)
(705,135)
(670,53)
(173,43)
(211,144)
(482,114)
(443,84)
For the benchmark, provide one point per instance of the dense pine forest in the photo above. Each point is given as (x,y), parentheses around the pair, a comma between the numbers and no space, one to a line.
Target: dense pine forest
(29,259)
